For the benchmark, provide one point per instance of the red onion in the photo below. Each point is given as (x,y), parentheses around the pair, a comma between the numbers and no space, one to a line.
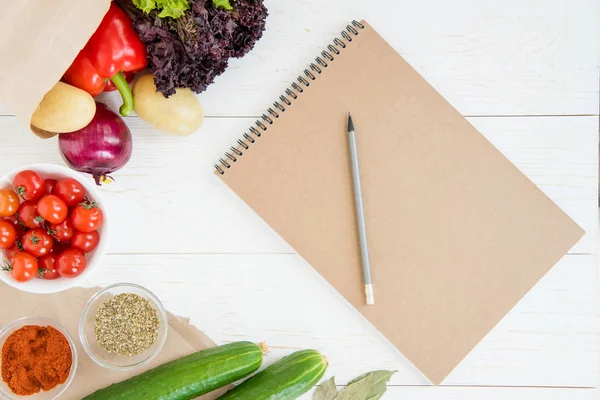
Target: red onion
(100,148)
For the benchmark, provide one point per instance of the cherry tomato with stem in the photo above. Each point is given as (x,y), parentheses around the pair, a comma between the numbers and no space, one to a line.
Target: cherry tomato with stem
(62,232)
(9,202)
(87,217)
(29,185)
(47,267)
(23,268)
(50,184)
(85,242)
(37,242)
(70,263)
(28,215)
(70,191)
(8,235)
(52,209)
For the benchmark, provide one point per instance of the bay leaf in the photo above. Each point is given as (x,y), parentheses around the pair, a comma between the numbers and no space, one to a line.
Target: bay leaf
(327,390)
(371,385)
(358,390)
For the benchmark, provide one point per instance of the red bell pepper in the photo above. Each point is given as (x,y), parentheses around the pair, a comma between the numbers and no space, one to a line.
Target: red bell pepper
(114,48)
(83,75)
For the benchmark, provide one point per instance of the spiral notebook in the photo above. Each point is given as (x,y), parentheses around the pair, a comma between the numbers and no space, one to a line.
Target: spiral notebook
(457,234)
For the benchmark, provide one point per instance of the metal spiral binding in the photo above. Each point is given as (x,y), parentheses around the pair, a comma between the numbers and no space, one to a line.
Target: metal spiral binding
(292,93)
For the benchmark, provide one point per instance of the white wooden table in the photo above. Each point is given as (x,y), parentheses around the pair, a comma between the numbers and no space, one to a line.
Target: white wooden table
(523,72)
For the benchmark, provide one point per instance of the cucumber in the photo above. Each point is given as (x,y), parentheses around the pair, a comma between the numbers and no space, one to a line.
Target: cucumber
(188,377)
(287,379)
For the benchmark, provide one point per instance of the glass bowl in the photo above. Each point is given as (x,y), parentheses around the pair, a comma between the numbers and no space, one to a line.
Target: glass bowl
(97,352)
(55,393)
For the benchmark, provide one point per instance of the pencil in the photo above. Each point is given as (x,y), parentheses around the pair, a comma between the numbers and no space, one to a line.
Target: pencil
(360,213)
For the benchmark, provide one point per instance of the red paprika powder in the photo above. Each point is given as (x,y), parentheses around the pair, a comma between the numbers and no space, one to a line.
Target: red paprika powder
(35,357)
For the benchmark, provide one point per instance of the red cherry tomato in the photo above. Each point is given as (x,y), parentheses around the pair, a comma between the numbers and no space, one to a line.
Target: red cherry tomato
(19,228)
(29,185)
(47,267)
(8,235)
(29,216)
(87,217)
(9,202)
(10,253)
(24,267)
(70,191)
(85,242)
(70,263)
(62,232)
(59,247)
(50,184)
(52,209)
(37,242)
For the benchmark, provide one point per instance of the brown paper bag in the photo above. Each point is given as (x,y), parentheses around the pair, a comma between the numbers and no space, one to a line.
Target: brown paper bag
(66,307)
(39,39)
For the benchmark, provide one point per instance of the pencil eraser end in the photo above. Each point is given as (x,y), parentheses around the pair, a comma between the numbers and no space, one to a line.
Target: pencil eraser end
(369,294)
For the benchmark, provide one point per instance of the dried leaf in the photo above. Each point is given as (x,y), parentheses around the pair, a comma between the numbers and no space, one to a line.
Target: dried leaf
(327,390)
(358,390)
(371,385)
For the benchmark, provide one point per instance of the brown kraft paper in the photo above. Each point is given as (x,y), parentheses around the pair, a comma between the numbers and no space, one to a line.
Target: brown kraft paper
(39,39)
(66,308)
(457,234)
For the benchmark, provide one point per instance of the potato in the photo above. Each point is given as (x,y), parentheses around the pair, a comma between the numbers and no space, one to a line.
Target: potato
(181,114)
(41,133)
(64,109)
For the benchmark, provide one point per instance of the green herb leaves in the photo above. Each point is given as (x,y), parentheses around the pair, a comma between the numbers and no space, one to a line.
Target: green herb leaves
(145,5)
(167,8)
(173,8)
(224,4)
(370,386)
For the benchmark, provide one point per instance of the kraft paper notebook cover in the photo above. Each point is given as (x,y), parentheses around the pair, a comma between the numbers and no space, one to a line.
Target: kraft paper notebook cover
(457,234)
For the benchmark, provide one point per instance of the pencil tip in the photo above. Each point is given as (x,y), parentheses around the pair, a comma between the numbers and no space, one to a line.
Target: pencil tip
(350,123)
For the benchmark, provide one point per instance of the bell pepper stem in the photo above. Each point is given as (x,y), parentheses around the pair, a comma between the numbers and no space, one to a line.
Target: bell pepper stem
(123,88)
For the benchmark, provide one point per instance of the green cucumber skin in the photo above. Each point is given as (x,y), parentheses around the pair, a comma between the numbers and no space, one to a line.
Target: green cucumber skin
(188,377)
(287,379)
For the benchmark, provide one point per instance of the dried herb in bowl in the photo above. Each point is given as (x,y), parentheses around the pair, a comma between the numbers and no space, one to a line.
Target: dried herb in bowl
(193,49)
(126,325)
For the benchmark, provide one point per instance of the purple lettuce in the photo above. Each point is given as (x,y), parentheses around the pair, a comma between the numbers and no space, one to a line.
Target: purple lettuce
(189,52)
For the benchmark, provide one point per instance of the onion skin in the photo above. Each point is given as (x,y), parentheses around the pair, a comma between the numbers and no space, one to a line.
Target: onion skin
(102,147)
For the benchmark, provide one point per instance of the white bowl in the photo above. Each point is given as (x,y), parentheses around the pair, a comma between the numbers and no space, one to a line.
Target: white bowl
(93,259)
(87,335)
(55,393)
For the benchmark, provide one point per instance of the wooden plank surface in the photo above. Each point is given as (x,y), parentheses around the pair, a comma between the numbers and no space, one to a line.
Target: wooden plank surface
(462,393)
(525,72)
(169,181)
(508,57)
(549,339)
